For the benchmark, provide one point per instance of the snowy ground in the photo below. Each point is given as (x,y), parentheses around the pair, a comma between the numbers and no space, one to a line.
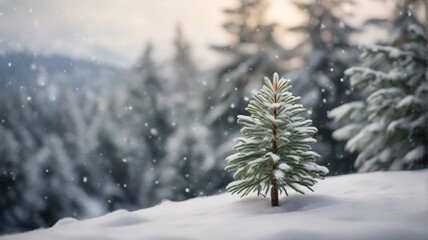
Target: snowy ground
(381,205)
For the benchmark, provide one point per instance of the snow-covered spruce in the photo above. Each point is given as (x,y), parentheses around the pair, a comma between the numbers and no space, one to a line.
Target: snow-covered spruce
(327,52)
(275,151)
(388,127)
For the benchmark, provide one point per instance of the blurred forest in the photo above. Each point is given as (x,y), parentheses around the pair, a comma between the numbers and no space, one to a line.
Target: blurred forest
(80,139)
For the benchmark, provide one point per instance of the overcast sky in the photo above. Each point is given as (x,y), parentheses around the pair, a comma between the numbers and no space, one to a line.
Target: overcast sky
(116,31)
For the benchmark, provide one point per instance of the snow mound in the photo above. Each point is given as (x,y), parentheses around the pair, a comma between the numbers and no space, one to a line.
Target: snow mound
(65,221)
(380,205)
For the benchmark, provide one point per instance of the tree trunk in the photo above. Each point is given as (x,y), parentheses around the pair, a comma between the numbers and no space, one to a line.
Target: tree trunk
(274,193)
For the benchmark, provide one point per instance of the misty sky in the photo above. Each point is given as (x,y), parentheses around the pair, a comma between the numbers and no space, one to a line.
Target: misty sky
(116,31)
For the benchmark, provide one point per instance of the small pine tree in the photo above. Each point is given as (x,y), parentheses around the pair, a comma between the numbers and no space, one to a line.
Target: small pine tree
(275,151)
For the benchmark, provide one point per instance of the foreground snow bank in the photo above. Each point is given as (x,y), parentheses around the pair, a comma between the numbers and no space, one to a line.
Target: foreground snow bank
(381,205)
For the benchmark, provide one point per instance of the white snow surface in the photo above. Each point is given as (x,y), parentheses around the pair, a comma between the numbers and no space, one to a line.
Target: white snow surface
(379,205)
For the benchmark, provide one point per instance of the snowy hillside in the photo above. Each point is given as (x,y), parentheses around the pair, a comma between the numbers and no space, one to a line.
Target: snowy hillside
(380,205)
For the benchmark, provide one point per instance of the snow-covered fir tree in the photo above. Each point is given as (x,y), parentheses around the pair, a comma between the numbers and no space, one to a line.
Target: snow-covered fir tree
(184,72)
(387,127)
(148,98)
(275,150)
(119,156)
(189,168)
(252,54)
(147,110)
(325,53)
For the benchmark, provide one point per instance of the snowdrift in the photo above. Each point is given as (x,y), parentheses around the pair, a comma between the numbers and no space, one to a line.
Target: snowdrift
(380,205)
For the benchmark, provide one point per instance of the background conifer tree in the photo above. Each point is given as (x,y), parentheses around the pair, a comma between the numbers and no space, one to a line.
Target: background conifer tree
(252,53)
(387,127)
(189,168)
(275,151)
(326,52)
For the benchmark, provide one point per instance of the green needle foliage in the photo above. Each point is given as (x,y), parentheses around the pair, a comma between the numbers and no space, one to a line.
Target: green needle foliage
(388,126)
(275,150)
